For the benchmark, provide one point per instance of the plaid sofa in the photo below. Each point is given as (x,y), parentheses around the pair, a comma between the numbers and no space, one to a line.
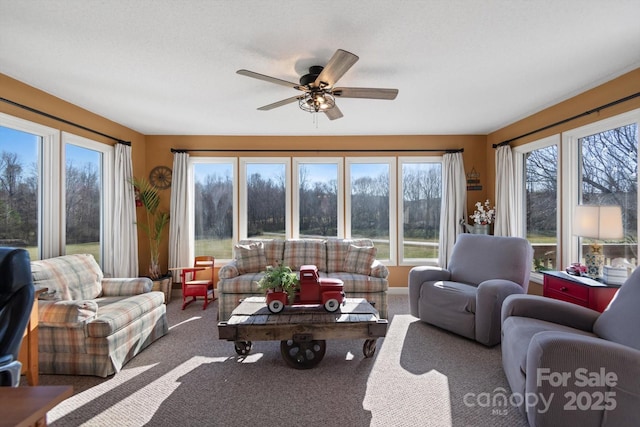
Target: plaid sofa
(352,261)
(91,325)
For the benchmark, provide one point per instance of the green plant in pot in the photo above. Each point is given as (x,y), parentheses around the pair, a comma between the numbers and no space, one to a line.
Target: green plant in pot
(279,278)
(147,195)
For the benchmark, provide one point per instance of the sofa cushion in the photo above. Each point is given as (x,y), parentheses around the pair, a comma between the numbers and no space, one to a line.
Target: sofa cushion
(66,313)
(301,252)
(68,277)
(115,313)
(246,283)
(359,283)
(359,259)
(337,252)
(273,249)
(250,258)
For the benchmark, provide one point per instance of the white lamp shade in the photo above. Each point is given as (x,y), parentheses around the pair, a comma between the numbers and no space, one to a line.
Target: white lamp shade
(598,222)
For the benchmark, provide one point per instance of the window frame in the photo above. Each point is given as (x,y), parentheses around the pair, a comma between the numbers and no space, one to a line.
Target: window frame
(392,163)
(402,261)
(297,161)
(571,173)
(106,194)
(243,193)
(519,154)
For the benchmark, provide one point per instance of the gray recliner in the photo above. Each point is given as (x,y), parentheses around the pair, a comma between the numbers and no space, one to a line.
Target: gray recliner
(568,365)
(466,297)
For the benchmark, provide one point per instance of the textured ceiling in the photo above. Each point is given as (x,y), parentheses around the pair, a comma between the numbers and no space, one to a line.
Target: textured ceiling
(462,67)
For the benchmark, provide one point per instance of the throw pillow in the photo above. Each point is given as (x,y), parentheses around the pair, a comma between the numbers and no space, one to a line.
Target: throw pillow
(250,258)
(359,259)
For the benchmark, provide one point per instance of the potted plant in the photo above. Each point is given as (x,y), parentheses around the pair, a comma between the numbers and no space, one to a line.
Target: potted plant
(147,196)
(279,279)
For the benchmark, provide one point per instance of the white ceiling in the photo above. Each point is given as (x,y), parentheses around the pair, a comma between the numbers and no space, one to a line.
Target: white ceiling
(166,67)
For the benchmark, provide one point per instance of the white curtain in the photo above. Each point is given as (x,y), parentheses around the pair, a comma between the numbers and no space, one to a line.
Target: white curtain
(179,255)
(125,233)
(505,193)
(454,204)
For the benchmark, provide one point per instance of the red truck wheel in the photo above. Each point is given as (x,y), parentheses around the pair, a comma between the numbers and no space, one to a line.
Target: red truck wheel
(275,306)
(331,305)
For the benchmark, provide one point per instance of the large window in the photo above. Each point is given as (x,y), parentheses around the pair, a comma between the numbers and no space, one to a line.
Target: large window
(264,199)
(604,171)
(538,196)
(52,195)
(421,190)
(320,195)
(352,197)
(214,204)
(370,206)
(87,170)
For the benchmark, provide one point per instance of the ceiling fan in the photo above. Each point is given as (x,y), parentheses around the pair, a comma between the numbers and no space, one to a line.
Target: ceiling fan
(319,87)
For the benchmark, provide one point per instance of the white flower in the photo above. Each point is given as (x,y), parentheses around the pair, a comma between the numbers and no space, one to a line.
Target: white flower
(484,214)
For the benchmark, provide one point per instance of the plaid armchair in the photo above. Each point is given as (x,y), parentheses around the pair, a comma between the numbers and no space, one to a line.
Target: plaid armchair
(89,325)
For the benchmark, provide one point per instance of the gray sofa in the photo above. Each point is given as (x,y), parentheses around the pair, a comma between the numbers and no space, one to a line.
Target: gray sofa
(576,366)
(467,296)
(352,261)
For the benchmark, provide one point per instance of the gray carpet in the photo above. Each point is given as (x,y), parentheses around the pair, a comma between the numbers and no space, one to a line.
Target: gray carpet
(419,376)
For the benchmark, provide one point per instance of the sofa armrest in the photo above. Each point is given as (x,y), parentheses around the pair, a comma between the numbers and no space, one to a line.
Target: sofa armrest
(378,269)
(119,287)
(489,299)
(550,310)
(229,271)
(66,313)
(577,370)
(419,275)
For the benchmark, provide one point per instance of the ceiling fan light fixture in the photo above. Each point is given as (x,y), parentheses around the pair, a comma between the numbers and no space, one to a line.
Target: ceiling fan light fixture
(314,102)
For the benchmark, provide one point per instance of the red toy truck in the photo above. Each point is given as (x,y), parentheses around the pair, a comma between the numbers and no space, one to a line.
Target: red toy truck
(312,290)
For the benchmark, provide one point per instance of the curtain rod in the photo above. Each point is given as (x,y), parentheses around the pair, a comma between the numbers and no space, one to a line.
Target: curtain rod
(51,116)
(186,150)
(586,113)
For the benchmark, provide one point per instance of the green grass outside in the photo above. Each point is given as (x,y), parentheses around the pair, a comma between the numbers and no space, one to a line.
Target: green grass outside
(92,248)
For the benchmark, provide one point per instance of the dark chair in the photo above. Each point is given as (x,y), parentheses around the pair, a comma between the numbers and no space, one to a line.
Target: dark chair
(16,301)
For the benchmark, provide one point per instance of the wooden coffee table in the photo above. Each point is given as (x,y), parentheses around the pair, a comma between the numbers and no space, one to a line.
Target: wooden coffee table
(302,330)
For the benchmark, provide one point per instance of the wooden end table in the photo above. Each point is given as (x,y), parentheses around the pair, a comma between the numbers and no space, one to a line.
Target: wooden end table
(302,329)
(28,406)
(578,290)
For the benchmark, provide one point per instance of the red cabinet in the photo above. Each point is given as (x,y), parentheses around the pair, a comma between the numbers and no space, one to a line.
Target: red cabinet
(578,290)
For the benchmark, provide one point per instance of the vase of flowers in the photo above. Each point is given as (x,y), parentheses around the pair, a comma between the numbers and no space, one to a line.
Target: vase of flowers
(483,217)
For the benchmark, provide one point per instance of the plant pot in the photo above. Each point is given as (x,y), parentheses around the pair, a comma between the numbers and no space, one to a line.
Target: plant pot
(163,285)
(480,229)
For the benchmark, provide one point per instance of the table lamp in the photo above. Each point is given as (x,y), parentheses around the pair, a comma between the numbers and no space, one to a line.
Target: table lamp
(598,223)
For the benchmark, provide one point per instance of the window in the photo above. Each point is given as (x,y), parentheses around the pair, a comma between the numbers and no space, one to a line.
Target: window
(537,166)
(602,167)
(318,183)
(421,190)
(265,202)
(49,216)
(370,203)
(214,203)
(88,167)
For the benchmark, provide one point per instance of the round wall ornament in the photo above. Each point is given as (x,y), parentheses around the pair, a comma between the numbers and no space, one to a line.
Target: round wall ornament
(160,177)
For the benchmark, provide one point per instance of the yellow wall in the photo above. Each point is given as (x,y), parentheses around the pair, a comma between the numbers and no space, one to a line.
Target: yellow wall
(150,151)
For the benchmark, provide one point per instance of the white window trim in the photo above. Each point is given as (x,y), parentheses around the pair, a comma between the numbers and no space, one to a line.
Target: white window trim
(391,162)
(242,187)
(571,177)
(106,194)
(520,191)
(49,190)
(400,242)
(339,162)
(191,197)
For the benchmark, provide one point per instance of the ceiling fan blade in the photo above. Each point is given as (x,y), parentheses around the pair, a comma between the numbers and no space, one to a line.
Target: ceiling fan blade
(339,64)
(333,113)
(280,103)
(365,92)
(269,79)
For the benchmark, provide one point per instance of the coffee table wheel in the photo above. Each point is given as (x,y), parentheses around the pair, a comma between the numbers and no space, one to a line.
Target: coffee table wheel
(303,355)
(242,347)
(369,348)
